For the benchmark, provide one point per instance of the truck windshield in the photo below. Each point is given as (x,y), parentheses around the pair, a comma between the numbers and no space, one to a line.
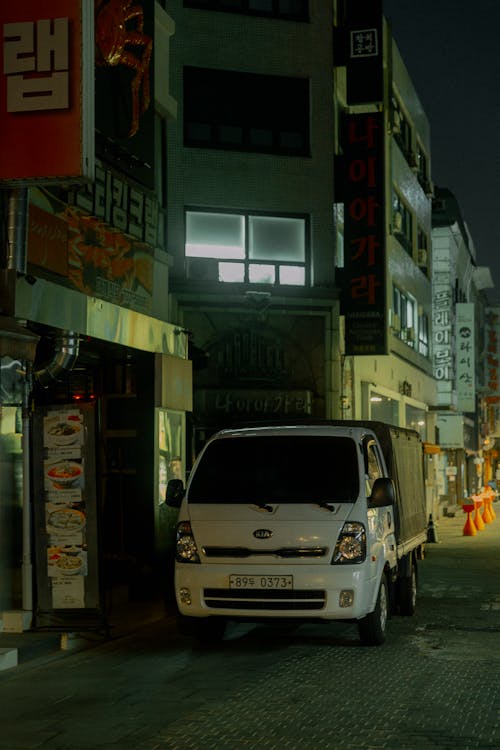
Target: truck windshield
(270,469)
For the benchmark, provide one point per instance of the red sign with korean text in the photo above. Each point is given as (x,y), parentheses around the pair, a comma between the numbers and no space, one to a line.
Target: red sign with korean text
(46,90)
(364,296)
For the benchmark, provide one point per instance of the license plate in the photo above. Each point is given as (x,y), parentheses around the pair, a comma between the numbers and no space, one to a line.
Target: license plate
(260,582)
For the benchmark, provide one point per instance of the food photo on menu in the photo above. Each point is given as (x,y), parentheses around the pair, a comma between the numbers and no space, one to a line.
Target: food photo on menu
(62,429)
(63,474)
(67,560)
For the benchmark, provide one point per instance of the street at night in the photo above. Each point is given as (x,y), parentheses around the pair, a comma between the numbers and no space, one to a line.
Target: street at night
(434,684)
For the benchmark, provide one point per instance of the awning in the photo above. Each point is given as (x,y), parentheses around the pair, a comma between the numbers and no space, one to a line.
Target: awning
(16,341)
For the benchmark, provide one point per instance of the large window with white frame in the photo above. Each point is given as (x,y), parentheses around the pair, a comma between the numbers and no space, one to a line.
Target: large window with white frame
(250,248)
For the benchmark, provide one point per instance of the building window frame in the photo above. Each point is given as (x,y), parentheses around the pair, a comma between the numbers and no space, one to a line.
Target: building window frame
(241,259)
(242,111)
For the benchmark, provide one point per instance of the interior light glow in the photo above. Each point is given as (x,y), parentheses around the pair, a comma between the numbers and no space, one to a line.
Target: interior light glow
(231,272)
(195,250)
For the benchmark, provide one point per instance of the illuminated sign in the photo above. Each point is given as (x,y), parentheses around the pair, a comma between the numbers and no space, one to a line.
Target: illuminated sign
(364,302)
(465,354)
(365,80)
(46,91)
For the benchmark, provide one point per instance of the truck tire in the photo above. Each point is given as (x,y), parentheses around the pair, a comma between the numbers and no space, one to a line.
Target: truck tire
(407,592)
(372,628)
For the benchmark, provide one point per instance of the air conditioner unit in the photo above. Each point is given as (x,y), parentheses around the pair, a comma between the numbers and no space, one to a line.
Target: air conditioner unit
(422,256)
(397,222)
(395,322)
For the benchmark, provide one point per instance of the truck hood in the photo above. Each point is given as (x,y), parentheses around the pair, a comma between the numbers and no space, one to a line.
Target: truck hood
(282,532)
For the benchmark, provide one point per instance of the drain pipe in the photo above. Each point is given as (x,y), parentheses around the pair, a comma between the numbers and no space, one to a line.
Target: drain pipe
(27,566)
(67,348)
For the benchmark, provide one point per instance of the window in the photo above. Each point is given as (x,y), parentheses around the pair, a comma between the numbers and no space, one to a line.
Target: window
(402,222)
(296,10)
(251,248)
(404,308)
(246,112)
(423,250)
(253,469)
(423,334)
(401,129)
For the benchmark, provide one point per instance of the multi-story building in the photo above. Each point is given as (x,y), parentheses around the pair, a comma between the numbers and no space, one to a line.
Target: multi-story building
(460,322)
(85,336)
(299,178)
(250,208)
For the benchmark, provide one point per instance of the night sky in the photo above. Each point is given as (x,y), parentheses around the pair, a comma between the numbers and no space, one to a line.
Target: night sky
(453,59)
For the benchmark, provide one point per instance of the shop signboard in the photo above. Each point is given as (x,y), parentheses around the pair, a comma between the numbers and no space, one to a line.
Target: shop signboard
(47,91)
(364,44)
(465,357)
(364,295)
(65,515)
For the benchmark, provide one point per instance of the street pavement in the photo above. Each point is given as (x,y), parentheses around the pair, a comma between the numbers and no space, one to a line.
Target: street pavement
(435,683)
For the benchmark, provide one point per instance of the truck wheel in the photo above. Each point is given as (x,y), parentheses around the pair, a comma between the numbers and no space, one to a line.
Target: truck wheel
(372,628)
(407,593)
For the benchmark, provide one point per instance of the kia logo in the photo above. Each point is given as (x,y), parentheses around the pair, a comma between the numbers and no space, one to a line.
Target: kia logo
(263,533)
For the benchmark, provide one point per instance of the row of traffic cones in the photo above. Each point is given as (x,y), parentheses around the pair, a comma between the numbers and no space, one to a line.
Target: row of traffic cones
(473,505)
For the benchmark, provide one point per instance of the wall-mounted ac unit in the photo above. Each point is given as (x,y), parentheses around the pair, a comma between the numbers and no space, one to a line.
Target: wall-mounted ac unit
(397,222)
(395,322)
(422,256)
(396,122)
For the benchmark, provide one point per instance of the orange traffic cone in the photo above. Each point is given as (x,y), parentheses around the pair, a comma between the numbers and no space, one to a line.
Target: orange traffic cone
(470,527)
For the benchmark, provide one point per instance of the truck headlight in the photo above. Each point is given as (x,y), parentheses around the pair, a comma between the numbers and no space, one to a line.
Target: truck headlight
(185,545)
(351,545)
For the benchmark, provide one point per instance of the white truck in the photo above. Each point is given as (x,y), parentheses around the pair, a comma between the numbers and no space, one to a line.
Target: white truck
(320,521)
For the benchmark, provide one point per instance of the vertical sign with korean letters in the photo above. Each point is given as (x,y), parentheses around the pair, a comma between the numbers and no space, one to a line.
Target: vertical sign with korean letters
(492,369)
(443,320)
(46,91)
(364,295)
(365,79)
(465,357)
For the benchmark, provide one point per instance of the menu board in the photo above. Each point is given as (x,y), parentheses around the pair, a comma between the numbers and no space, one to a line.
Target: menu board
(65,508)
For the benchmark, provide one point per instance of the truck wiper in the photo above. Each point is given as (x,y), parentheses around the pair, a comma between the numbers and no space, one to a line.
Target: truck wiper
(326,504)
(264,506)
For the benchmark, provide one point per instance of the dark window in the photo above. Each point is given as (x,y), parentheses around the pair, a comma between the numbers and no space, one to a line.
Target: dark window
(266,469)
(246,112)
(293,10)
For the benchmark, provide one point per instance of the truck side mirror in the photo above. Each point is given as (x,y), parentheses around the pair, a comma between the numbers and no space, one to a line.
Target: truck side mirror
(383,493)
(174,493)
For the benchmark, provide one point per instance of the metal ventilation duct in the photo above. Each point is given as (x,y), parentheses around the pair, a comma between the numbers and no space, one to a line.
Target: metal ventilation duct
(17,228)
(67,346)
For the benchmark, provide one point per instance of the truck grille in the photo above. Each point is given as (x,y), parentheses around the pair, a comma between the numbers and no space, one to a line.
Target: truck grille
(267,599)
(281,552)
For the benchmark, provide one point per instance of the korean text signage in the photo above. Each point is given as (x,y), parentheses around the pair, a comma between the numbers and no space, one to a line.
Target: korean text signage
(465,353)
(442,313)
(46,90)
(364,52)
(364,303)
(493,355)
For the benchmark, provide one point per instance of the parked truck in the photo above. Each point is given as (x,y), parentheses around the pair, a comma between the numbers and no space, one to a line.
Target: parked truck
(316,521)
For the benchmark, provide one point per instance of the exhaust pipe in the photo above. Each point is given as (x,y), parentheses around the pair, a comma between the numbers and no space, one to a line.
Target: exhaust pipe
(67,347)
